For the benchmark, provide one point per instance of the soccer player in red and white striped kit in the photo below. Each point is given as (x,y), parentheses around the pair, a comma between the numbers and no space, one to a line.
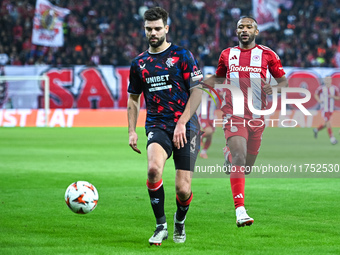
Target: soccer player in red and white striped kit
(326,95)
(245,66)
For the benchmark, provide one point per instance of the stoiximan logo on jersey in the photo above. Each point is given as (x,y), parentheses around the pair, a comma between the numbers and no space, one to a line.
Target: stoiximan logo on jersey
(234,68)
(254,102)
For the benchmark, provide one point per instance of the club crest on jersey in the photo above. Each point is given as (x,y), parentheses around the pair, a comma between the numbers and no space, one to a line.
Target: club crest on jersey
(233,129)
(256,58)
(170,62)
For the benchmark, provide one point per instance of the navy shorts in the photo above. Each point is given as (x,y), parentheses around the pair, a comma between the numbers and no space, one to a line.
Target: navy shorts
(184,158)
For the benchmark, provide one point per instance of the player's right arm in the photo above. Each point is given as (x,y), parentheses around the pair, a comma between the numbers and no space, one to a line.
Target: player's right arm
(214,79)
(317,96)
(220,75)
(133,112)
(135,90)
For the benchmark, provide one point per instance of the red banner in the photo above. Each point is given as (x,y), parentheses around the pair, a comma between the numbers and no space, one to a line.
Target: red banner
(105,87)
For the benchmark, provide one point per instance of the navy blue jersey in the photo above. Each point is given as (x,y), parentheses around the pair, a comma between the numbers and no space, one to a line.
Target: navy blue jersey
(165,78)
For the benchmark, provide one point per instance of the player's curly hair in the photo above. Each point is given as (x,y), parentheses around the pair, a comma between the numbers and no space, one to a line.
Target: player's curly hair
(156,13)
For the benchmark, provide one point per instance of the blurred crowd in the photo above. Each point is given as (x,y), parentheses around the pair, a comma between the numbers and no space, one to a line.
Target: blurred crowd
(110,32)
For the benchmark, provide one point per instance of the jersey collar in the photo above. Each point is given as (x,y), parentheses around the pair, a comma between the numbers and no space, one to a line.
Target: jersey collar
(154,53)
(238,47)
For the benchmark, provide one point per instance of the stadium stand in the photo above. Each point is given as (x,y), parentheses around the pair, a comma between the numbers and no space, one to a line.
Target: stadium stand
(111,32)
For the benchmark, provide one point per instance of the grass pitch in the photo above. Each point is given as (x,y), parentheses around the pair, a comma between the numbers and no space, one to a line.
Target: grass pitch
(292,215)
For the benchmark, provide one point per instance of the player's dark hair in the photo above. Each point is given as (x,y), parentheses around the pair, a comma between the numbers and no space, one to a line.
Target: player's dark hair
(156,13)
(247,17)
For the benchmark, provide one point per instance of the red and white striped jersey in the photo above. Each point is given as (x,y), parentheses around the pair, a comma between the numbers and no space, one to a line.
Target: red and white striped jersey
(245,68)
(325,93)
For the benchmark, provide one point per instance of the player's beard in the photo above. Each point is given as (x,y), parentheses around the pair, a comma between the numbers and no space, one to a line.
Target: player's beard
(251,38)
(156,44)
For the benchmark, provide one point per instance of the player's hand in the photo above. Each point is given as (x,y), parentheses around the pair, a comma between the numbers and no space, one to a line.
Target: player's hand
(267,88)
(133,137)
(179,138)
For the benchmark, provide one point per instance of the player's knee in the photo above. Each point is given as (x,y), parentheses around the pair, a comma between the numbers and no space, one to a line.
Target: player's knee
(183,191)
(239,158)
(154,173)
(208,131)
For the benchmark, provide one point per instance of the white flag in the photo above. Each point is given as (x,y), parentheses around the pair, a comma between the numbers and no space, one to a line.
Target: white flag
(266,13)
(48,24)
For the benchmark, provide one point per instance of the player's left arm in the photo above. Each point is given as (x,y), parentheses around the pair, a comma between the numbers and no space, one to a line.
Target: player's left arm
(276,70)
(337,95)
(194,101)
(281,83)
(192,77)
(337,98)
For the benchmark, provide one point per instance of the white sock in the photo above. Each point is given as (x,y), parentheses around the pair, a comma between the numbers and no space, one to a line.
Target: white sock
(181,222)
(164,224)
(239,210)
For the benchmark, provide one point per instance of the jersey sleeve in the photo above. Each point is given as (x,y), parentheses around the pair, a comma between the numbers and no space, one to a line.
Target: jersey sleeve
(135,85)
(275,66)
(221,68)
(191,73)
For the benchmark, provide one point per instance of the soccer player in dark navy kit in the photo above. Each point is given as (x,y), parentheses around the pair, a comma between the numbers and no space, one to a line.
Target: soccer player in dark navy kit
(167,75)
